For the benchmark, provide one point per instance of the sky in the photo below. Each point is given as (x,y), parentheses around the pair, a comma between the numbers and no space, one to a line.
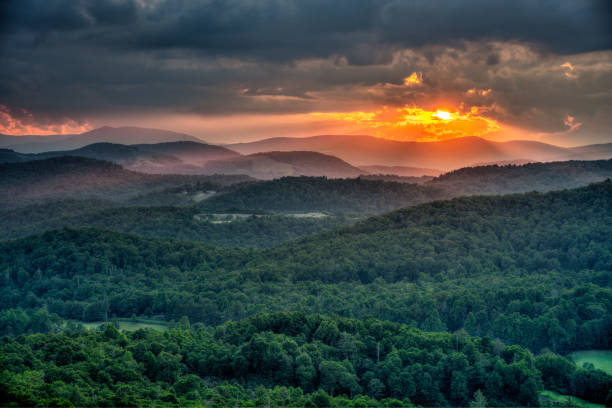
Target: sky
(241,70)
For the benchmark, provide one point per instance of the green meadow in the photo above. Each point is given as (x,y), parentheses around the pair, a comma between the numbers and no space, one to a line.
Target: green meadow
(130,324)
(601,359)
(565,400)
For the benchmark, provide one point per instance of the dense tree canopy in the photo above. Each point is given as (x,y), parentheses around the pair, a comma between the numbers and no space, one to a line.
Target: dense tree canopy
(524,275)
(184,223)
(313,359)
(441,266)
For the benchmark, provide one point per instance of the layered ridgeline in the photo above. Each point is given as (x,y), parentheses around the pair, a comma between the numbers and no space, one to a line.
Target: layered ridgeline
(495,179)
(530,269)
(364,195)
(270,165)
(188,157)
(105,134)
(78,192)
(159,151)
(69,177)
(185,223)
(290,194)
(282,359)
(361,150)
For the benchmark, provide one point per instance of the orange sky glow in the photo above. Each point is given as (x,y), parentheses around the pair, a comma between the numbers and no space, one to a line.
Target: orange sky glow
(24,124)
(415,123)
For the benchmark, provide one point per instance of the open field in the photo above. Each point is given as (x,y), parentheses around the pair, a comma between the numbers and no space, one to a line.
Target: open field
(131,325)
(601,359)
(551,396)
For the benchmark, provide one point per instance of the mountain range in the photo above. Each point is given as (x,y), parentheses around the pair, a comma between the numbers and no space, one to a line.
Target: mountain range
(271,165)
(200,158)
(67,177)
(161,151)
(363,151)
(123,135)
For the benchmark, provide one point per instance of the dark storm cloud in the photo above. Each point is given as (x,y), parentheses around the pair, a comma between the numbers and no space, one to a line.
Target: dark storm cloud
(40,16)
(83,57)
(285,29)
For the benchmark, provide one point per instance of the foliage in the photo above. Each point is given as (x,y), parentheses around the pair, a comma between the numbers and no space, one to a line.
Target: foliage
(544,283)
(184,223)
(495,179)
(68,177)
(356,195)
(370,362)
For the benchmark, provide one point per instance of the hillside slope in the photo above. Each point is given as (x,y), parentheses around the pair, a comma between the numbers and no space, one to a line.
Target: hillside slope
(295,194)
(530,269)
(160,158)
(270,165)
(107,134)
(446,155)
(70,177)
(508,179)
(464,236)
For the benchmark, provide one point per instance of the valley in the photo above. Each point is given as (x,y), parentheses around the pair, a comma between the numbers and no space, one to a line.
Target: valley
(312,275)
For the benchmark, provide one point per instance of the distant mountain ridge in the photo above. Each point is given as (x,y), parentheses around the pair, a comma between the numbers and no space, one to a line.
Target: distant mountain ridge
(494,179)
(183,157)
(402,171)
(156,151)
(270,165)
(361,150)
(123,135)
(199,158)
(69,177)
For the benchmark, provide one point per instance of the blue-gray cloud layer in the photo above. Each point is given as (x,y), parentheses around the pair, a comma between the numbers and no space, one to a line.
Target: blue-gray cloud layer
(82,57)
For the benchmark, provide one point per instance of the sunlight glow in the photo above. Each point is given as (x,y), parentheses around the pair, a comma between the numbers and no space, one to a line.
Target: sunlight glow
(409,123)
(415,79)
(18,121)
(442,115)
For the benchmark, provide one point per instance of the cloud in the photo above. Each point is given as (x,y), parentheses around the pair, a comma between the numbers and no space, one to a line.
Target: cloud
(365,31)
(571,123)
(568,70)
(22,122)
(87,59)
(416,78)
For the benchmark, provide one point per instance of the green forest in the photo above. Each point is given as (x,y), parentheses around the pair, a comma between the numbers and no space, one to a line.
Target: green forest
(306,203)
(282,359)
(469,301)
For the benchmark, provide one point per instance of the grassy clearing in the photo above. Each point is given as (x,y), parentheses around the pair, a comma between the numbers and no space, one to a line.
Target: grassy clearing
(565,400)
(131,324)
(601,359)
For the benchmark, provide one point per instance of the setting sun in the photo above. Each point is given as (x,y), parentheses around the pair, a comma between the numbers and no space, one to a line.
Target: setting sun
(415,123)
(440,114)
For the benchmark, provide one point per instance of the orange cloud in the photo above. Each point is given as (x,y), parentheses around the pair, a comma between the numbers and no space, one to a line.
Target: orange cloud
(568,70)
(415,79)
(481,92)
(571,123)
(21,122)
(408,123)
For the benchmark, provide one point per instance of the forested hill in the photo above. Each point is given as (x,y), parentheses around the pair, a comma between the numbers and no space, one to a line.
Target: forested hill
(78,177)
(281,359)
(364,195)
(568,230)
(183,223)
(322,194)
(532,269)
(523,178)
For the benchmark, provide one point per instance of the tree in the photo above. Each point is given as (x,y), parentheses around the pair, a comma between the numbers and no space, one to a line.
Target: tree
(327,332)
(458,388)
(305,372)
(479,400)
